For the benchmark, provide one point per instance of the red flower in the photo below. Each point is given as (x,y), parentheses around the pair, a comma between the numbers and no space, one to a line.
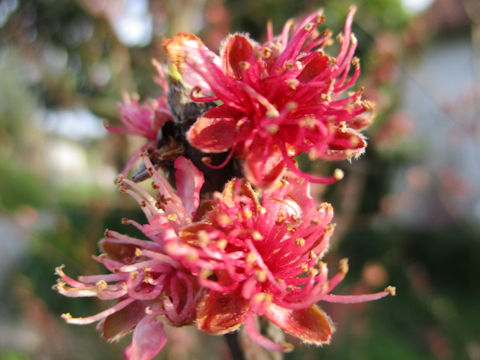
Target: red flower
(278,99)
(144,280)
(262,258)
(143,120)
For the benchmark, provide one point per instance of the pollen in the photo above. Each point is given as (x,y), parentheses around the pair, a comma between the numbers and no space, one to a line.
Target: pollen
(224,220)
(59,270)
(101,285)
(300,241)
(172,217)
(262,297)
(222,244)
(286,346)
(392,290)
(207,160)
(261,276)
(292,105)
(257,236)
(245,65)
(138,252)
(343,264)
(203,239)
(338,174)
(67,317)
(205,273)
(308,122)
(293,83)
(289,65)
(266,52)
(309,26)
(251,258)
(326,97)
(272,129)
(272,113)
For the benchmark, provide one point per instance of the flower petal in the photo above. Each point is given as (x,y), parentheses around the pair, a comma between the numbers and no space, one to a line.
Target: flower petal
(214,132)
(346,144)
(262,169)
(189,181)
(185,45)
(221,313)
(148,339)
(311,325)
(316,65)
(121,322)
(238,48)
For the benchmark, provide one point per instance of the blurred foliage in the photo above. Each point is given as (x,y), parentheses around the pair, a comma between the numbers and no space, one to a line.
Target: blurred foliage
(67,54)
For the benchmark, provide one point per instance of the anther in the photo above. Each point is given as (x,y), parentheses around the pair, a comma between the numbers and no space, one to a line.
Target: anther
(244,65)
(101,285)
(392,290)
(272,129)
(343,264)
(300,241)
(309,26)
(338,174)
(172,217)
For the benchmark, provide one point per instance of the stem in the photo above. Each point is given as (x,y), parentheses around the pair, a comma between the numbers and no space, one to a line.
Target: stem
(234,346)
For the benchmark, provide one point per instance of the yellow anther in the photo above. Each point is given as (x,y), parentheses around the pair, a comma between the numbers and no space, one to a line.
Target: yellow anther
(309,26)
(67,317)
(101,285)
(312,272)
(172,217)
(222,244)
(205,273)
(261,276)
(293,83)
(203,239)
(300,241)
(392,290)
(308,122)
(338,174)
(257,236)
(191,257)
(326,97)
(286,346)
(251,258)
(224,220)
(138,252)
(343,264)
(291,106)
(244,65)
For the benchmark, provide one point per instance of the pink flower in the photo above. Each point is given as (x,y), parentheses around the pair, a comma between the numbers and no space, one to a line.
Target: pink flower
(144,280)
(144,120)
(262,257)
(278,99)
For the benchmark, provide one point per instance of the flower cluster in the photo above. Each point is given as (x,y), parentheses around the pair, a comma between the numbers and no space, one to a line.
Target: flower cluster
(278,99)
(222,259)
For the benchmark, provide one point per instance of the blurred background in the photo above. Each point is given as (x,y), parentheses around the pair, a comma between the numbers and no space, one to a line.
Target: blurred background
(407,213)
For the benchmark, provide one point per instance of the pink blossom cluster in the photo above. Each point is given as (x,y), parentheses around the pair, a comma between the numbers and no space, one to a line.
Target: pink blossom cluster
(223,259)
